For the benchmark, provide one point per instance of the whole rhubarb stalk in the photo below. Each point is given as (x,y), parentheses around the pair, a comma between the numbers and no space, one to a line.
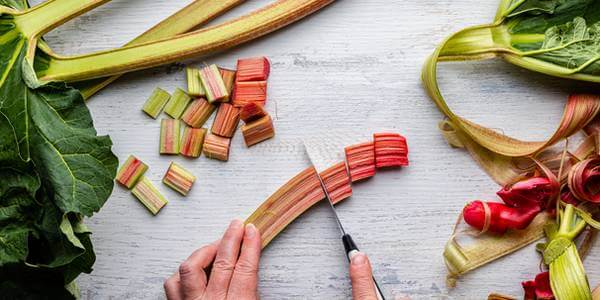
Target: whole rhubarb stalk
(48,145)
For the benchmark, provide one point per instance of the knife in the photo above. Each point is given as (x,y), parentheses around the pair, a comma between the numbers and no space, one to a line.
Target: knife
(349,244)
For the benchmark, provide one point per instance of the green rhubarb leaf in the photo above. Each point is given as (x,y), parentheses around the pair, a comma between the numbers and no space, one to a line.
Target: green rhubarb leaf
(532,6)
(574,45)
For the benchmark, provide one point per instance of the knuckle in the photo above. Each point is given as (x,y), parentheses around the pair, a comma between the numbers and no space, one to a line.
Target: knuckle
(245,267)
(223,265)
(186,268)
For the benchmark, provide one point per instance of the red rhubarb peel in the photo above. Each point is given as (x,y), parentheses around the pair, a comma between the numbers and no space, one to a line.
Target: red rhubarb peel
(498,217)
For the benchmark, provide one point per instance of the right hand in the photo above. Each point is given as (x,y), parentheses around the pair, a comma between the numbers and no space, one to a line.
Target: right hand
(361,274)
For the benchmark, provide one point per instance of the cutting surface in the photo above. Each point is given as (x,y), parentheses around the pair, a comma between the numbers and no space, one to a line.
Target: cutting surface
(355,65)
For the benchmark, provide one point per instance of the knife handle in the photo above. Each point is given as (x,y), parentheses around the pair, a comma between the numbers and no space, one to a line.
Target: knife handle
(351,250)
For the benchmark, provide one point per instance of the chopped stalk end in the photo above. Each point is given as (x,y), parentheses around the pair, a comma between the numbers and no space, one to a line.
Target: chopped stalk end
(226,121)
(391,150)
(157,101)
(253,69)
(192,141)
(337,181)
(131,171)
(198,112)
(195,88)
(215,88)
(258,131)
(361,161)
(179,101)
(252,112)
(149,195)
(169,136)
(179,179)
(228,78)
(250,91)
(217,147)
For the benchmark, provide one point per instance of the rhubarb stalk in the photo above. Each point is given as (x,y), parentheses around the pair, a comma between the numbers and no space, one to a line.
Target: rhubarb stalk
(258,131)
(131,171)
(228,78)
(157,101)
(248,92)
(252,112)
(145,191)
(226,121)
(361,161)
(197,113)
(216,147)
(192,141)
(201,42)
(177,104)
(253,69)
(337,181)
(213,84)
(169,136)
(193,82)
(179,179)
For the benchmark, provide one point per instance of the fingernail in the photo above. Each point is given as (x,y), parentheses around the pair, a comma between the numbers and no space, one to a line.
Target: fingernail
(236,224)
(359,259)
(250,230)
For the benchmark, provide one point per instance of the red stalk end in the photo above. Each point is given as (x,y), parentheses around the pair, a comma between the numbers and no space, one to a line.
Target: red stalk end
(250,91)
(217,147)
(226,121)
(337,181)
(361,161)
(252,112)
(498,217)
(197,113)
(391,150)
(258,131)
(253,69)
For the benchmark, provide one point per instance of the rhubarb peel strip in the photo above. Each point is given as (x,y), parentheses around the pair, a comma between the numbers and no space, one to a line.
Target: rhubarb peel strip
(461,259)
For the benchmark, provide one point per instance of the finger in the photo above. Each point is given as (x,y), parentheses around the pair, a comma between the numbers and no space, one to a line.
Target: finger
(363,287)
(245,275)
(192,277)
(224,264)
(172,288)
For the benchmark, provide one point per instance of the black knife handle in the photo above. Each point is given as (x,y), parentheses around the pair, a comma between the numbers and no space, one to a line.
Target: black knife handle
(351,250)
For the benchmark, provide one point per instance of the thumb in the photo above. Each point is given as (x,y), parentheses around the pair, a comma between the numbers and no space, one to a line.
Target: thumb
(363,287)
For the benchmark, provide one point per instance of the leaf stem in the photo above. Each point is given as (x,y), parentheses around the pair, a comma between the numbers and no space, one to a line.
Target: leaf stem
(201,42)
(195,14)
(44,17)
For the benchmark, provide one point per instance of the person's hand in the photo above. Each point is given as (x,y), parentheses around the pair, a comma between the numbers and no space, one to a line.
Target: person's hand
(234,272)
(361,274)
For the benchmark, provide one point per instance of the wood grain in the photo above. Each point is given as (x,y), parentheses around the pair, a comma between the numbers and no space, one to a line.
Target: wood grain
(355,65)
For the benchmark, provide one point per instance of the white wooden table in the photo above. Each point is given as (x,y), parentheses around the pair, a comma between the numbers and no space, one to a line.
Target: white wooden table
(356,64)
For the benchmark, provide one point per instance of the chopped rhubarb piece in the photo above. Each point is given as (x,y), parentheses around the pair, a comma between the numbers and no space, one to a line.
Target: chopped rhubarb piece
(169,136)
(337,182)
(250,91)
(179,179)
(213,84)
(253,69)
(226,121)
(193,81)
(258,131)
(216,147)
(361,161)
(131,171)
(228,78)
(179,101)
(390,150)
(198,112)
(192,141)
(145,191)
(252,112)
(157,101)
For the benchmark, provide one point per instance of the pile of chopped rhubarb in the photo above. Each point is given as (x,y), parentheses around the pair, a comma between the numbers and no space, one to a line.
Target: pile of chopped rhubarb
(233,94)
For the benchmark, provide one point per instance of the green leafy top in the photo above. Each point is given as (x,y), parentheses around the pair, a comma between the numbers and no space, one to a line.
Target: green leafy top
(54,170)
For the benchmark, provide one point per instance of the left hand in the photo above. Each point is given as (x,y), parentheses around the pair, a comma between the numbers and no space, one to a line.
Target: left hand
(234,272)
